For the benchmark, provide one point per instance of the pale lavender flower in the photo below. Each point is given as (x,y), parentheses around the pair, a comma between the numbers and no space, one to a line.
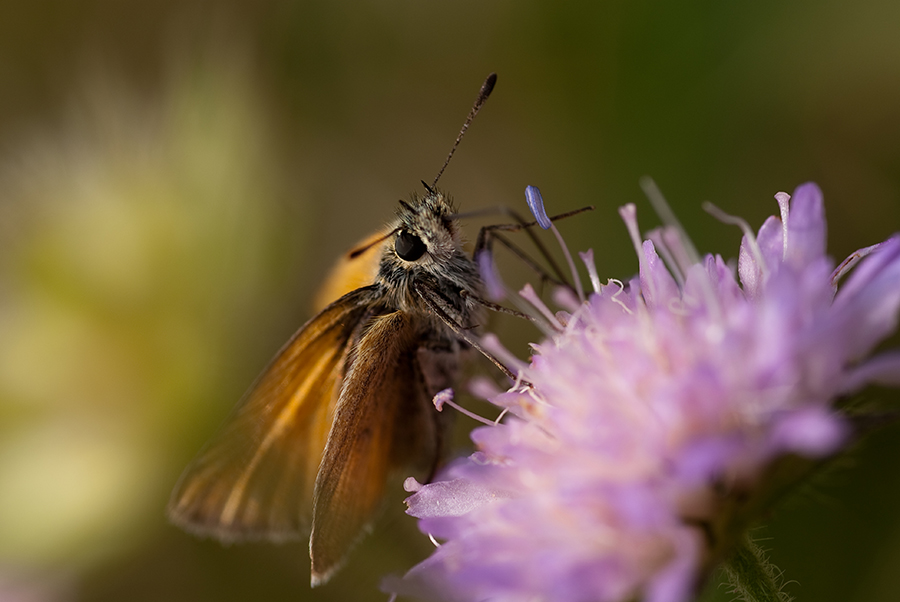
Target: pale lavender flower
(659,406)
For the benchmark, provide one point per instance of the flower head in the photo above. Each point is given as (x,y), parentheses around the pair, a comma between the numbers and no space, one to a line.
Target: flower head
(656,412)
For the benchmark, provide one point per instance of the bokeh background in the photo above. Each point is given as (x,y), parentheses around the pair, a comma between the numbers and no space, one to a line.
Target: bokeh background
(176,177)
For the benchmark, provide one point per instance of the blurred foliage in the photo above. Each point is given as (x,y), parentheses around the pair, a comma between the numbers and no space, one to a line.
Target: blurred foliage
(175,177)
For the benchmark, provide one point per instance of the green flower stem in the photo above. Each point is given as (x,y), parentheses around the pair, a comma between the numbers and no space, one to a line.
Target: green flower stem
(752,577)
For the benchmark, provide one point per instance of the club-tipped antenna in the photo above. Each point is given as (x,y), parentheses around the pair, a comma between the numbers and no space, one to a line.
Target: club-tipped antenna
(486,89)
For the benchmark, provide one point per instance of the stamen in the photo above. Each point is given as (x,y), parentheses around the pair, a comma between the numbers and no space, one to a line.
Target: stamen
(659,241)
(521,383)
(628,212)
(615,298)
(529,295)
(588,258)
(679,243)
(745,227)
(535,316)
(784,200)
(492,344)
(446,397)
(443,396)
(668,218)
(575,277)
(851,261)
(681,255)
(433,540)
(565,298)
(536,205)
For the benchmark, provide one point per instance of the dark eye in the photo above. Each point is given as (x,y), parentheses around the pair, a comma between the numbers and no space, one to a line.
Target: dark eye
(409,246)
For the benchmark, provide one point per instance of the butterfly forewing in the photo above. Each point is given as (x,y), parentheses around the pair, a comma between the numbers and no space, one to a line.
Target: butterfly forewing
(255,479)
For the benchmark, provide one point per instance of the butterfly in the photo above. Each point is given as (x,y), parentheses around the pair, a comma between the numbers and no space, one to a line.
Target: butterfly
(347,400)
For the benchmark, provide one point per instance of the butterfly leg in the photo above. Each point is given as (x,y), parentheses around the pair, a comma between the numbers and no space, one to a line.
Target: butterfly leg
(488,234)
(437,304)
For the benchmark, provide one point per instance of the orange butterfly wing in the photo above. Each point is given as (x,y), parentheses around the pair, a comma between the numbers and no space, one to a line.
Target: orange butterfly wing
(353,270)
(255,479)
(310,447)
(384,420)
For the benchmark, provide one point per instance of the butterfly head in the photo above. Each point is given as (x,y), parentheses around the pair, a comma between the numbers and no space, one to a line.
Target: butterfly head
(426,245)
(427,234)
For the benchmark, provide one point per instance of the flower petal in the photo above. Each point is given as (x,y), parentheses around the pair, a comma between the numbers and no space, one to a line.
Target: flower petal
(806,226)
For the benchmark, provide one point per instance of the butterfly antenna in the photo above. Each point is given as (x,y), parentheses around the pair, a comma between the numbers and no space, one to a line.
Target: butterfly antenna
(486,88)
(360,250)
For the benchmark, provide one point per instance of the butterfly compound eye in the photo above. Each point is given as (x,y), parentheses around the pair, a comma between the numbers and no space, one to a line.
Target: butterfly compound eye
(409,247)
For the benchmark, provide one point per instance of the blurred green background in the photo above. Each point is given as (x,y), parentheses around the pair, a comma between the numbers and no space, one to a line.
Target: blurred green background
(176,177)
